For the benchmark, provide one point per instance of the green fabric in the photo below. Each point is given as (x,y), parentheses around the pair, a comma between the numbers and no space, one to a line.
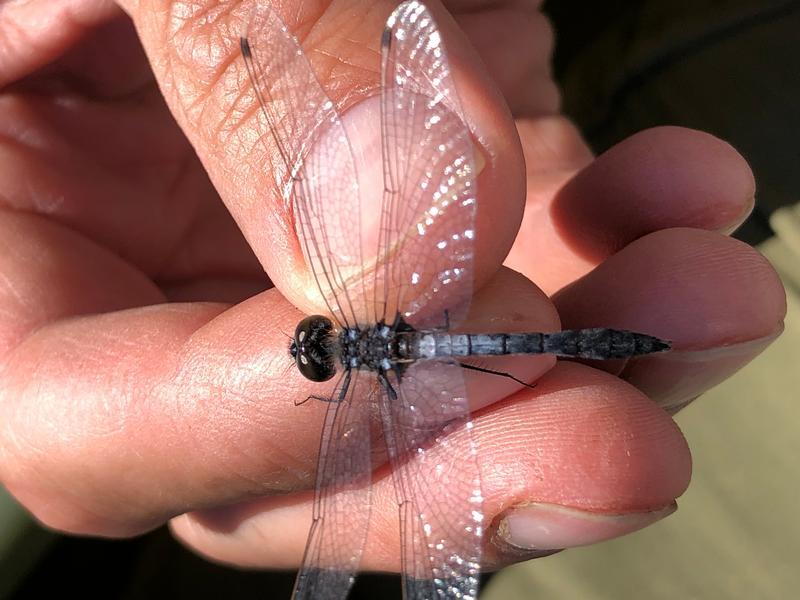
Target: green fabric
(22,543)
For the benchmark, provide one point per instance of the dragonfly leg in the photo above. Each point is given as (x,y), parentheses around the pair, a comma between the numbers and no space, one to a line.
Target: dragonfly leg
(313,397)
(387,386)
(492,372)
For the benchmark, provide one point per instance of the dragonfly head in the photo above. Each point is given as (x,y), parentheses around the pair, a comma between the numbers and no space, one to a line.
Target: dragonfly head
(311,348)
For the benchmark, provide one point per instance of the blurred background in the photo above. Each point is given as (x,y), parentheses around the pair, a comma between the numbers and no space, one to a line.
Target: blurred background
(729,67)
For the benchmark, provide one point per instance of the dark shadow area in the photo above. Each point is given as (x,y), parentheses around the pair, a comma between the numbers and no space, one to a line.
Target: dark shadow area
(730,68)
(157,566)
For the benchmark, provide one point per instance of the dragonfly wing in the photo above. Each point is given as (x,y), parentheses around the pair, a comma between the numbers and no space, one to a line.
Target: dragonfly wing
(423,266)
(429,212)
(437,480)
(429,176)
(342,496)
(424,220)
(313,164)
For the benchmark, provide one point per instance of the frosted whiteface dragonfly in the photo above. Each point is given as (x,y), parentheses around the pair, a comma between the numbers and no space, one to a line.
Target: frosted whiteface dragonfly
(393,262)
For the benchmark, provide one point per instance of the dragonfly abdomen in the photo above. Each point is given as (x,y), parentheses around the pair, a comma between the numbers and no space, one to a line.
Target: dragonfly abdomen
(602,343)
(598,343)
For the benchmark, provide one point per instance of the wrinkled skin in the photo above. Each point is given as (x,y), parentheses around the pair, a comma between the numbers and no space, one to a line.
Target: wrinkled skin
(143,368)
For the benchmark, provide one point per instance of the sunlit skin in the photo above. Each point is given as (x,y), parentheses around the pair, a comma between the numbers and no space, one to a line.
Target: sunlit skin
(144,374)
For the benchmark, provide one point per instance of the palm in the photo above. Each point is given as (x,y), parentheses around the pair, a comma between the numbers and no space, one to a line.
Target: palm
(110,162)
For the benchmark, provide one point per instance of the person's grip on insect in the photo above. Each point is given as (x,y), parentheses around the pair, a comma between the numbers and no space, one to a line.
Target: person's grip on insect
(144,373)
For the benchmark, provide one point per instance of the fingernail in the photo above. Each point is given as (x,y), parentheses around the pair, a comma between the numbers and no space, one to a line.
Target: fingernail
(675,378)
(731,227)
(361,122)
(539,526)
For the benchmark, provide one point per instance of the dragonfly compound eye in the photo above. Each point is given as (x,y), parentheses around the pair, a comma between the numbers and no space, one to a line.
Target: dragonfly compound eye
(311,348)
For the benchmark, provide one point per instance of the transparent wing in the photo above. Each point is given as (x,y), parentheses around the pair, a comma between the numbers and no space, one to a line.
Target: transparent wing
(425,219)
(437,480)
(428,208)
(315,169)
(428,211)
(342,493)
(423,266)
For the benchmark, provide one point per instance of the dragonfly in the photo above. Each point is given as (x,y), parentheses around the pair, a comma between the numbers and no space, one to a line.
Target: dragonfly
(393,264)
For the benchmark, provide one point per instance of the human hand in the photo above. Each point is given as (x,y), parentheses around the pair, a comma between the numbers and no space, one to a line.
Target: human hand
(120,410)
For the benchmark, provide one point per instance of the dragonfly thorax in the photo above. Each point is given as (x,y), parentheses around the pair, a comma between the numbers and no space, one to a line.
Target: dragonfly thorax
(317,347)
(370,348)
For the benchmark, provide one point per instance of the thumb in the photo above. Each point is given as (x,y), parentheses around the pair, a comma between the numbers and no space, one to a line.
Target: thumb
(194,50)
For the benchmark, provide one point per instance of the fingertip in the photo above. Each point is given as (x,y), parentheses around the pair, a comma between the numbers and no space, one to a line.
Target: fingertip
(511,302)
(508,303)
(718,300)
(342,47)
(656,179)
(598,455)
(697,288)
(590,441)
